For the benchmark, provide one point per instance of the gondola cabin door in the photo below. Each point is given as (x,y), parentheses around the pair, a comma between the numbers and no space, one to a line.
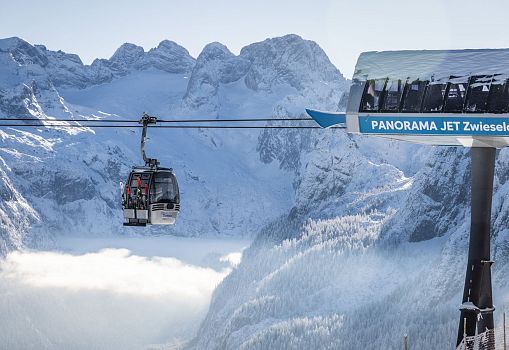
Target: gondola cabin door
(136,197)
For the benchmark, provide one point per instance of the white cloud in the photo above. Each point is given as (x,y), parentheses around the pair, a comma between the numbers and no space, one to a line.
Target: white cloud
(110,299)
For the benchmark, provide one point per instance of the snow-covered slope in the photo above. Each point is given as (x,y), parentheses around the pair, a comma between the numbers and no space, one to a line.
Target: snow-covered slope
(390,262)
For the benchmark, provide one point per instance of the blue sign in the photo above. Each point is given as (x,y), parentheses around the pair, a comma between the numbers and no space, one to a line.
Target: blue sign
(445,125)
(326,119)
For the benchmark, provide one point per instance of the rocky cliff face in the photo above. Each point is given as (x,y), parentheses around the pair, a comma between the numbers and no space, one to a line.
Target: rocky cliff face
(168,57)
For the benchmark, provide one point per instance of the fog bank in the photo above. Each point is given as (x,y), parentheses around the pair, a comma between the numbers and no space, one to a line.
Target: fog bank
(107,299)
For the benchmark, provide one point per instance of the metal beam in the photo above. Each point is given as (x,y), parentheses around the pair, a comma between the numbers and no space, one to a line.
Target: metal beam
(477,308)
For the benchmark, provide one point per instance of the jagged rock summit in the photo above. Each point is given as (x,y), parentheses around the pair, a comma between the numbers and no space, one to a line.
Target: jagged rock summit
(168,56)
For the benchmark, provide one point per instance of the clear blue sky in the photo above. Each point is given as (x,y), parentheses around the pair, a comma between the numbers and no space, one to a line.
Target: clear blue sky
(94,28)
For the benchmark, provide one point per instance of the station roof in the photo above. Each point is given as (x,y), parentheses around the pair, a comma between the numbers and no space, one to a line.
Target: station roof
(425,64)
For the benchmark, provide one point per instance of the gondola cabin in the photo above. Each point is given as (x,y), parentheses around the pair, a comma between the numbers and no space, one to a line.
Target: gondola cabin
(454,97)
(150,196)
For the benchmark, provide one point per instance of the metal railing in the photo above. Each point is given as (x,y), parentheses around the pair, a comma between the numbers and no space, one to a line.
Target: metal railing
(494,339)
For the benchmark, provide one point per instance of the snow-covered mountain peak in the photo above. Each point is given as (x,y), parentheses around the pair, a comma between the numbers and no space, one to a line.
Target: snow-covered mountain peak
(68,71)
(12,42)
(213,51)
(127,54)
(22,52)
(170,48)
(168,56)
(215,65)
(282,65)
(288,59)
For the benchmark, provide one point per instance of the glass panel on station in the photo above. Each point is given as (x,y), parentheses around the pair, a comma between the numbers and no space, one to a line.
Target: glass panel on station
(434,97)
(372,95)
(392,96)
(456,93)
(474,94)
(412,96)
(477,95)
(498,100)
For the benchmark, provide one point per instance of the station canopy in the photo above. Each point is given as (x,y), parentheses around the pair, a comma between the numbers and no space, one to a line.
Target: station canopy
(453,97)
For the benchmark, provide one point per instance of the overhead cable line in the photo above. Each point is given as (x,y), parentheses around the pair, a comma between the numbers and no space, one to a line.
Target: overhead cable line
(180,120)
(170,126)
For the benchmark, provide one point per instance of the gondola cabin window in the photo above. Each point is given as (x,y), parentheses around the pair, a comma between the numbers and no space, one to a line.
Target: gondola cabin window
(164,189)
(144,180)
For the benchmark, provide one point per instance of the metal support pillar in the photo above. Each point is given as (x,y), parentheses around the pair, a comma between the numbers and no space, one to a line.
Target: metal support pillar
(477,308)
(505,342)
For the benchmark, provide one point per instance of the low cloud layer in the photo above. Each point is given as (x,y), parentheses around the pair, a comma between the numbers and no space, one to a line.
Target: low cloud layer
(110,299)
